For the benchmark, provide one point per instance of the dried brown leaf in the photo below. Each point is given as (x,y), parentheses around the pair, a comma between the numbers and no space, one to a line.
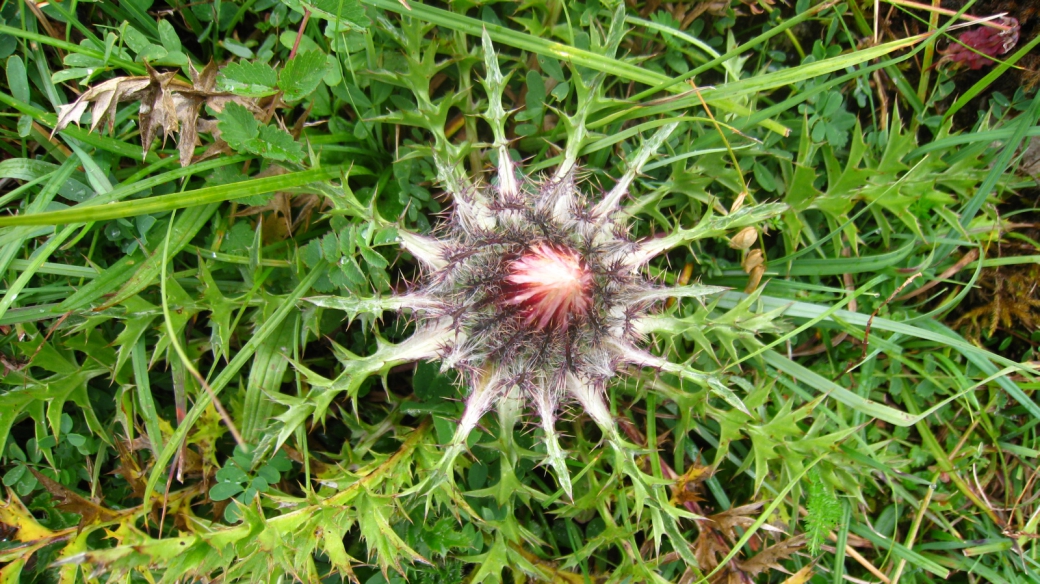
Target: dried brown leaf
(771,557)
(727,521)
(687,486)
(128,467)
(72,502)
(106,97)
(189,106)
(158,108)
(707,549)
(168,105)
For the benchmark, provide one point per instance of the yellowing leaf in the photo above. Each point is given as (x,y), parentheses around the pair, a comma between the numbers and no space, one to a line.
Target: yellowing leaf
(801,576)
(13,514)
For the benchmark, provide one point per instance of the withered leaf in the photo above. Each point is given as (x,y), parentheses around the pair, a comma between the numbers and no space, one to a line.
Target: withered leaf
(727,521)
(771,557)
(687,486)
(707,549)
(158,108)
(168,105)
(106,96)
(72,502)
(801,576)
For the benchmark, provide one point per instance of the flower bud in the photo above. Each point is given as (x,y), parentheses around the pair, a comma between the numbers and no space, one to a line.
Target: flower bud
(745,239)
(754,259)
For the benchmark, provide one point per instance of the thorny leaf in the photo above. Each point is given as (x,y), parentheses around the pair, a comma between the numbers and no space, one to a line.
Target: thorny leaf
(374,519)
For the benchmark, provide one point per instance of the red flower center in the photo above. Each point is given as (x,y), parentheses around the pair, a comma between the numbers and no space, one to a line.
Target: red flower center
(551,283)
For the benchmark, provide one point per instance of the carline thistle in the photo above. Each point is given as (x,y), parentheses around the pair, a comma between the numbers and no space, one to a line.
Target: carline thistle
(533,291)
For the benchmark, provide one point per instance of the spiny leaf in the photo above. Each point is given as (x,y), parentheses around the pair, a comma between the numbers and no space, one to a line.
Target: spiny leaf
(374,513)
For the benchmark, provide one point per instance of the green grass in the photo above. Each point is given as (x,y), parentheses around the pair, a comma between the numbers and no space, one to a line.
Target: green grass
(866,408)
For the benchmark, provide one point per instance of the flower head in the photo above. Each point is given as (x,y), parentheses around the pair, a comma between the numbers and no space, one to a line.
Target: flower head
(553,285)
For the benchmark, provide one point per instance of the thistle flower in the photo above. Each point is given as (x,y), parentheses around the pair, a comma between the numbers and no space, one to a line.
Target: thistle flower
(534,291)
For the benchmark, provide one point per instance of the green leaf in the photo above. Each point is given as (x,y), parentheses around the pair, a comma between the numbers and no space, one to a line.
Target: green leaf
(259,484)
(311,253)
(280,462)
(268,473)
(169,37)
(42,353)
(277,144)
(373,258)
(203,196)
(238,127)
(135,40)
(535,99)
(824,513)
(185,226)
(491,563)
(552,68)
(301,76)
(231,473)
(17,80)
(223,491)
(237,49)
(265,375)
(345,12)
(248,79)
(14,475)
(30,169)
(374,514)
